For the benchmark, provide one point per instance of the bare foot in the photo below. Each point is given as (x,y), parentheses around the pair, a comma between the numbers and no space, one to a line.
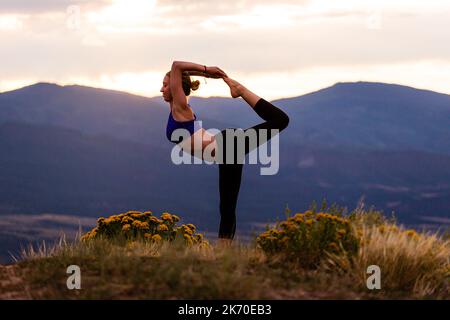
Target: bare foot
(236,88)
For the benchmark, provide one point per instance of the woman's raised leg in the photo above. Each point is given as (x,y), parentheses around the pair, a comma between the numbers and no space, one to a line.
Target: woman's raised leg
(275,119)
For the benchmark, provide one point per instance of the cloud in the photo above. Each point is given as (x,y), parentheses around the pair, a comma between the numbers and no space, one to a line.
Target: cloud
(246,37)
(27,6)
(61,52)
(218,7)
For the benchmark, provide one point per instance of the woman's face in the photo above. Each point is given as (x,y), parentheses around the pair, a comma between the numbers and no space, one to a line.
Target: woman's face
(165,89)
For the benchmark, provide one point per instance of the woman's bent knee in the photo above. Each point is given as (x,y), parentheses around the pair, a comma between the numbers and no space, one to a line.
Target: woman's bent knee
(282,122)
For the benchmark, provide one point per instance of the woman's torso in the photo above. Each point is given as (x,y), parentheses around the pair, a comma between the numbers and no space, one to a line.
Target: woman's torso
(180,120)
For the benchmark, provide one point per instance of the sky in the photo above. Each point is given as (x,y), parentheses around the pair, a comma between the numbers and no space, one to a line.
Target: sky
(277,49)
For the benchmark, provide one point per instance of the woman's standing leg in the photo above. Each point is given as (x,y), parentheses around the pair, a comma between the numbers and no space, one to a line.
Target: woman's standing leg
(229,184)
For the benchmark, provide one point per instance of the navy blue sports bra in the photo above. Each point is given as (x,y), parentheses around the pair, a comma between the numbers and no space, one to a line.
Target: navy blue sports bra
(173,124)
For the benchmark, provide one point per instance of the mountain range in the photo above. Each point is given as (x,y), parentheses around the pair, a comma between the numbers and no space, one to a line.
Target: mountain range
(88,152)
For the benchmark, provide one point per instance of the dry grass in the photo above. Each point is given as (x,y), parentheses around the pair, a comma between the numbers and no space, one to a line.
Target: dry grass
(411,263)
(412,266)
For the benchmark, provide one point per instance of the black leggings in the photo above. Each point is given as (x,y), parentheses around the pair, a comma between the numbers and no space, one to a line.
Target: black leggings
(230,174)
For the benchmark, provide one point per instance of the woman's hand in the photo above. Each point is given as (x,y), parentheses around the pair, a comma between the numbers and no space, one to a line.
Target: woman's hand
(215,72)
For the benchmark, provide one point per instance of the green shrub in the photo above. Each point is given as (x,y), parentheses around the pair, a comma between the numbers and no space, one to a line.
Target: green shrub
(306,237)
(134,225)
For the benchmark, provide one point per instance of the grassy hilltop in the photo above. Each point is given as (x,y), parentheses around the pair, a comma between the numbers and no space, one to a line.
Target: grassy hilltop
(322,253)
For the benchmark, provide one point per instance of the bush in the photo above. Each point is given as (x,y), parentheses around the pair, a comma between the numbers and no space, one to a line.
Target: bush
(307,237)
(134,225)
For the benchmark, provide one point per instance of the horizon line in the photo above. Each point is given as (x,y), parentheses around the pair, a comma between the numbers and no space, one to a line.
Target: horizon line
(225,97)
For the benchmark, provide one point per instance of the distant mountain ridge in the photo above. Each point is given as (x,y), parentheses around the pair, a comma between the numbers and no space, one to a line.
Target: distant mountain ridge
(93,152)
(375,116)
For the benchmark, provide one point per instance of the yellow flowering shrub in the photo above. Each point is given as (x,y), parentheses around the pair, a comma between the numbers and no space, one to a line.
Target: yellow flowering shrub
(306,237)
(144,225)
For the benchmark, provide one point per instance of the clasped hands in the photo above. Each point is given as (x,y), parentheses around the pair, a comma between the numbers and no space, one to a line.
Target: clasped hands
(211,72)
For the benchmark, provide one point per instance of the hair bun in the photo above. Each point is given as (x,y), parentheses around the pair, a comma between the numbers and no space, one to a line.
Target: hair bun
(195,84)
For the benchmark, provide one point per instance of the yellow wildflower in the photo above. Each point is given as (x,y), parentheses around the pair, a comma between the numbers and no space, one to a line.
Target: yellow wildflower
(264,234)
(127,220)
(163,227)
(136,224)
(153,219)
(186,236)
(144,226)
(191,226)
(166,216)
(199,237)
(308,213)
(131,212)
(299,219)
(187,230)
(410,233)
(320,216)
(156,237)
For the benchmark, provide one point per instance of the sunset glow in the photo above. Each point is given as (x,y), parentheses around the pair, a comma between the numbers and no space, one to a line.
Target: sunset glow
(279,49)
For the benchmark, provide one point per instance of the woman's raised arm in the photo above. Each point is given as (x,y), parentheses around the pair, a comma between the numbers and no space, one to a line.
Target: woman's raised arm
(198,73)
(188,66)
(199,69)
(176,86)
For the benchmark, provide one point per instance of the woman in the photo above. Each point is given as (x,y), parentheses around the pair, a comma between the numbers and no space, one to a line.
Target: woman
(177,86)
